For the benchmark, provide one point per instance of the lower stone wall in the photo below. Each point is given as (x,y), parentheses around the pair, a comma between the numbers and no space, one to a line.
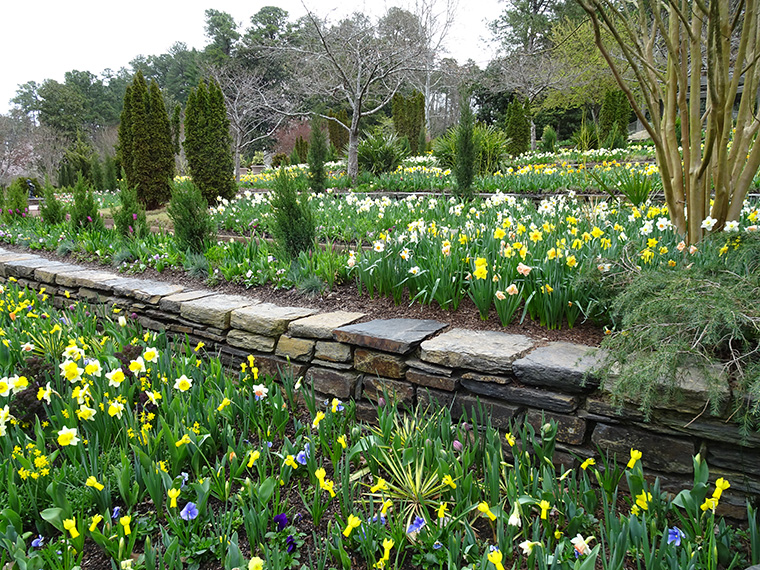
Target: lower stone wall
(513,377)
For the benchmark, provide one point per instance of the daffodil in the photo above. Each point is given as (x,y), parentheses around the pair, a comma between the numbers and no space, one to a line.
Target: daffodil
(124,522)
(635,456)
(380,485)
(544,505)
(586,464)
(93,482)
(720,485)
(342,441)
(225,402)
(183,383)
(353,522)
(71,526)
(67,436)
(486,510)
(255,454)
(447,480)
(320,416)
(442,510)
(173,495)
(184,440)
(495,557)
(290,461)
(95,522)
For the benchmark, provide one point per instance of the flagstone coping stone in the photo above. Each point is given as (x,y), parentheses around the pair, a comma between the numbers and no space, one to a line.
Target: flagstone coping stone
(214,310)
(49,273)
(171,303)
(322,325)
(484,351)
(26,267)
(389,335)
(89,278)
(562,365)
(267,318)
(146,290)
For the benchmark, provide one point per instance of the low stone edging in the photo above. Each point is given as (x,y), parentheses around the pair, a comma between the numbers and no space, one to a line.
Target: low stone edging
(417,361)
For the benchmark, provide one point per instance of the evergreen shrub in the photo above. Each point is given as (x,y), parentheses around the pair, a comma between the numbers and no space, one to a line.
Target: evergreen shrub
(129,217)
(84,209)
(293,226)
(188,211)
(52,210)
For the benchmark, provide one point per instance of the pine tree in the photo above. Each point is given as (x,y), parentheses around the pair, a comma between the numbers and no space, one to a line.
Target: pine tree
(208,145)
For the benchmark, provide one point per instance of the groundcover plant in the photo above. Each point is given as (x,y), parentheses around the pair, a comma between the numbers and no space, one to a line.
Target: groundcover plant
(123,448)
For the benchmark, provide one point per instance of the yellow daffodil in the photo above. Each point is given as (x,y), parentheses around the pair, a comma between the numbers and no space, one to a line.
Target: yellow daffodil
(486,510)
(447,480)
(544,505)
(495,557)
(353,522)
(720,486)
(319,418)
(635,456)
(643,499)
(71,526)
(173,494)
(380,485)
(95,522)
(255,454)
(124,521)
(291,462)
(184,440)
(67,436)
(225,402)
(342,441)
(442,510)
(256,563)
(589,462)
(510,439)
(93,482)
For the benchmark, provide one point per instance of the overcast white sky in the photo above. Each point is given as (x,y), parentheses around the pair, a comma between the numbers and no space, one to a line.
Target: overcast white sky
(45,38)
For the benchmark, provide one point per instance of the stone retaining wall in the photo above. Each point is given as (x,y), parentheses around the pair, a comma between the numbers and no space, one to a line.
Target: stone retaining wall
(418,361)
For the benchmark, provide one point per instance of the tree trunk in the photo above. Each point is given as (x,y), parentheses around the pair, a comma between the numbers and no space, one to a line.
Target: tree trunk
(353,148)
(238,142)
(532,134)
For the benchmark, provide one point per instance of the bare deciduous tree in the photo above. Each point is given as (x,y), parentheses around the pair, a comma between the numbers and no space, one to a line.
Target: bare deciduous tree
(354,63)
(683,54)
(16,146)
(253,107)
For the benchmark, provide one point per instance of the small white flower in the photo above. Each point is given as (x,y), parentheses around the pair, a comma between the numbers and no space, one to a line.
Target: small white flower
(731,226)
(709,223)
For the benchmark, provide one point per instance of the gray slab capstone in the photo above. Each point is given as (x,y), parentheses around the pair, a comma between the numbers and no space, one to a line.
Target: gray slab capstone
(485,351)
(266,318)
(322,325)
(392,335)
(561,365)
(215,310)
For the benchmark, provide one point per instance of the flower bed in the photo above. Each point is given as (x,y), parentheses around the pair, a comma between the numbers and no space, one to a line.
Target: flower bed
(117,441)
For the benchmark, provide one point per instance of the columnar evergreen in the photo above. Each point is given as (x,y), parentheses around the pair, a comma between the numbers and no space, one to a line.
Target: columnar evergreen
(208,144)
(464,166)
(518,127)
(317,156)
(409,119)
(338,133)
(145,143)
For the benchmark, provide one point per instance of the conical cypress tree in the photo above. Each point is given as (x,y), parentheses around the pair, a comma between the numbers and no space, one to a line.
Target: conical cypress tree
(518,128)
(145,149)
(126,136)
(208,145)
(162,149)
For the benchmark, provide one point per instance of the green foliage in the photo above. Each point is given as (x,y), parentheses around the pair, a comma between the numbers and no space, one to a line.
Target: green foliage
(518,127)
(317,156)
(613,120)
(301,149)
(548,139)
(110,176)
(293,219)
(52,209)
(188,211)
(77,159)
(676,323)
(145,142)
(16,199)
(464,165)
(129,218)
(490,149)
(294,158)
(378,153)
(96,172)
(84,210)
(409,119)
(338,133)
(176,125)
(280,159)
(208,144)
